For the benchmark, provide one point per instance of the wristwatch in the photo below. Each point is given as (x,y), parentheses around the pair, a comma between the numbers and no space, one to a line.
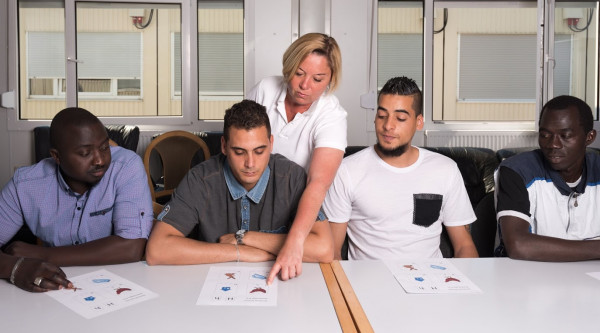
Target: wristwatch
(239,236)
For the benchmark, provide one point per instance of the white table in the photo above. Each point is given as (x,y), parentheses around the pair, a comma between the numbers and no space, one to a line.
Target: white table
(518,296)
(303,305)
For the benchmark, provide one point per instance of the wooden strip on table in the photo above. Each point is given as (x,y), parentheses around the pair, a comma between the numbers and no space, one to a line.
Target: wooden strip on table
(339,303)
(358,314)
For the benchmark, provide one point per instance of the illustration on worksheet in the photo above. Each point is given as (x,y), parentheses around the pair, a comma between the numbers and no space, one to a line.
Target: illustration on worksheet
(430,276)
(227,285)
(100,292)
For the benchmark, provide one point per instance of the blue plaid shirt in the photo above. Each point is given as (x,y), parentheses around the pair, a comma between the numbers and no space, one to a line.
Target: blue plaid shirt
(120,204)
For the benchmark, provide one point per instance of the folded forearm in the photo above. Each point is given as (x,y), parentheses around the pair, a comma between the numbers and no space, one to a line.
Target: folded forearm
(105,251)
(177,250)
(265,241)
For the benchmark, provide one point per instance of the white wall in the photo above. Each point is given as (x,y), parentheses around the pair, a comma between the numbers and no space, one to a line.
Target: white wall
(5,151)
(266,42)
(345,20)
(350,27)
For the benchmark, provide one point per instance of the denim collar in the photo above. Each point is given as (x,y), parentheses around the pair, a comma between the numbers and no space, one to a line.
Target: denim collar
(237,190)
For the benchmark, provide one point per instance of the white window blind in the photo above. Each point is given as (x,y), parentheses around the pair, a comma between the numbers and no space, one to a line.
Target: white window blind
(102,54)
(399,55)
(562,69)
(46,54)
(503,67)
(220,63)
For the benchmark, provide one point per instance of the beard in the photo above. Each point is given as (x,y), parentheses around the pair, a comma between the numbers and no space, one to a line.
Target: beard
(393,152)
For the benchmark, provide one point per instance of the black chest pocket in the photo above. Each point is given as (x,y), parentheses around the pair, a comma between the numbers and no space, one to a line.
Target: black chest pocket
(427,207)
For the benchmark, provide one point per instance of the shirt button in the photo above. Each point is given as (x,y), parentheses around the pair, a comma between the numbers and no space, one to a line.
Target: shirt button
(245,206)
(76,243)
(78,208)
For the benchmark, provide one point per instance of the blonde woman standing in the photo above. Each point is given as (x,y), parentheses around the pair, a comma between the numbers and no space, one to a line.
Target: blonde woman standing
(309,127)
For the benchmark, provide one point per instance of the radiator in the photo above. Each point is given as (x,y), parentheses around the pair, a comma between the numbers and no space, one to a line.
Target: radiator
(489,139)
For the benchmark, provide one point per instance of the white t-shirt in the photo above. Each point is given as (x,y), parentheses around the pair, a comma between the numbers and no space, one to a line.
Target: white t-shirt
(397,212)
(322,125)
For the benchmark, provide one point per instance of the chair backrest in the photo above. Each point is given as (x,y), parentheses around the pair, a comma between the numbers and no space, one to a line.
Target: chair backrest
(505,153)
(477,166)
(126,136)
(176,150)
(41,138)
(157,208)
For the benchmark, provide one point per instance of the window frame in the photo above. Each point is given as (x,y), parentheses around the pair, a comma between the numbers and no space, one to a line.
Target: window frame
(189,105)
(428,77)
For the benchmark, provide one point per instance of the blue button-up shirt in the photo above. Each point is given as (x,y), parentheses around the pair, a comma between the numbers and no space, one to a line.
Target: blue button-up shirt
(119,204)
(237,191)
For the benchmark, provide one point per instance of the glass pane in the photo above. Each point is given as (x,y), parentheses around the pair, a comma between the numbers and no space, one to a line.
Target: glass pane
(485,63)
(576,51)
(124,68)
(399,41)
(220,56)
(41,58)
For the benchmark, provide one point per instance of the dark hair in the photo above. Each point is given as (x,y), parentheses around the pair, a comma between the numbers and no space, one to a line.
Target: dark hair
(586,118)
(73,116)
(404,86)
(246,115)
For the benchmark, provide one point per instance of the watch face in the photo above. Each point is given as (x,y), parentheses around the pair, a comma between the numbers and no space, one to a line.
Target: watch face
(239,235)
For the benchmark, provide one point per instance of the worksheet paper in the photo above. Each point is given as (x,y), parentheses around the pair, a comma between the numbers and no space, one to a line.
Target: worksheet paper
(238,285)
(100,292)
(595,275)
(430,276)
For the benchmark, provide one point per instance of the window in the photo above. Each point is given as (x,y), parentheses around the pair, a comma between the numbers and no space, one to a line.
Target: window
(501,67)
(112,69)
(220,67)
(575,61)
(394,46)
(121,68)
(220,56)
(487,58)
(41,59)
(399,41)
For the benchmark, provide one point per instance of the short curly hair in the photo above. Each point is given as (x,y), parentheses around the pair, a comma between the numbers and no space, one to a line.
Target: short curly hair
(586,118)
(247,115)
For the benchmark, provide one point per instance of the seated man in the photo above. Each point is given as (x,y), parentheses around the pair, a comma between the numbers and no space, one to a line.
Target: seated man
(89,204)
(393,198)
(242,201)
(547,199)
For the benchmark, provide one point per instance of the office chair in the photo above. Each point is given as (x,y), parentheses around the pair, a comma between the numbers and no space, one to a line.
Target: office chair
(177,152)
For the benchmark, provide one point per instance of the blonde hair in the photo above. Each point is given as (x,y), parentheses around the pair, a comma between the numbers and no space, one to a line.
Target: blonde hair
(317,43)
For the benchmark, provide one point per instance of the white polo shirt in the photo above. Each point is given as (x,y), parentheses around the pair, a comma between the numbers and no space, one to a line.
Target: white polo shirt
(322,125)
(528,188)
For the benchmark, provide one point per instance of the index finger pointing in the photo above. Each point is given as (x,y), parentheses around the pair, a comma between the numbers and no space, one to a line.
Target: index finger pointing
(273,273)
